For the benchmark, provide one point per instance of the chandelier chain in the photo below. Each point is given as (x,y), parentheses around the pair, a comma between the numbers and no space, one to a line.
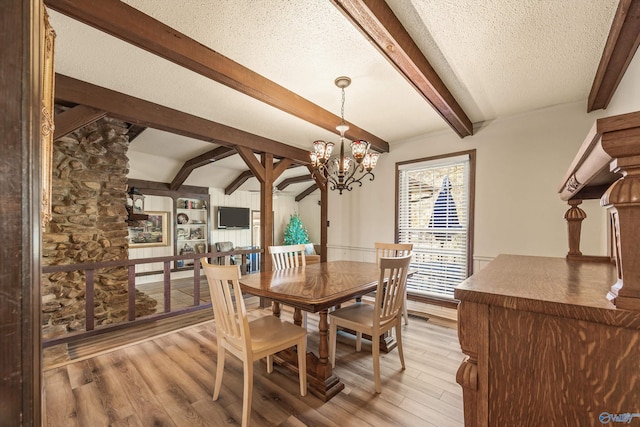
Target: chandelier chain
(342,108)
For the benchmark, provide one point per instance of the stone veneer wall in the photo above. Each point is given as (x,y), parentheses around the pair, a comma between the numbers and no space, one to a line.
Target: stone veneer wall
(90,169)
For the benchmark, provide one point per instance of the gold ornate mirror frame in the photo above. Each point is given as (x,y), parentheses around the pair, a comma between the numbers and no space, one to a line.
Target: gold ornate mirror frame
(48,126)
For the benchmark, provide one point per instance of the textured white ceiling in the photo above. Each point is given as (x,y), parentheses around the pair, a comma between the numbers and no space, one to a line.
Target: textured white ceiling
(498,58)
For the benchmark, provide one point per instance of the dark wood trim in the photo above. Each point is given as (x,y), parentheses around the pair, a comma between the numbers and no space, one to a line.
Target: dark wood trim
(266,208)
(89,269)
(162,188)
(198,161)
(621,46)
(240,179)
(134,131)
(434,300)
(280,167)
(306,192)
(75,118)
(21,26)
(591,258)
(321,182)
(592,192)
(294,180)
(472,210)
(253,163)
(244,176)
(78,336)
(377,22)
(263,169)
(145,113)
(131,25)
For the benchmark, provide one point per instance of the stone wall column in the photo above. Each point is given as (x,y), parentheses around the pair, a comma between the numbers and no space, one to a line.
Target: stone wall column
(88,225)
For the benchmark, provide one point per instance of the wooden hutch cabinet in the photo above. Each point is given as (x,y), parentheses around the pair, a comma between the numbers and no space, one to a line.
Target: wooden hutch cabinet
(556,341)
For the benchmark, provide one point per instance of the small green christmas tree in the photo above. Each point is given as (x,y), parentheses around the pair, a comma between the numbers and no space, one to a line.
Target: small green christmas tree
(295,233)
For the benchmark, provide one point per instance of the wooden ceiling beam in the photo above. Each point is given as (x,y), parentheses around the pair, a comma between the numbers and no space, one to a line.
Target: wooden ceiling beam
(134,132)
(75,118)
(294,180)
(377,22)
(241,179)
(131,25)
(253,163)
(198,161)
(319,179)
(145,113)
(280,167)
(306,192)
(621,46)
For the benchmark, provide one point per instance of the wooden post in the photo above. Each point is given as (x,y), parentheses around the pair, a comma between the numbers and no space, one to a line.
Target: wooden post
(324,211)
(574,217)
(21,47)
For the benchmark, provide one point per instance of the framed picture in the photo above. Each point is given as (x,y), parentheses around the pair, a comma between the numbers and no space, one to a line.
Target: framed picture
(152,231)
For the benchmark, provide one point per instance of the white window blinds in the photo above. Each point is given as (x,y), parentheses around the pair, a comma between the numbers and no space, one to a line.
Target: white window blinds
(433,214)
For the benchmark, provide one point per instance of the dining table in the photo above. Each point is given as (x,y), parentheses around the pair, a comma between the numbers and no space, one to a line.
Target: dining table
(316,288)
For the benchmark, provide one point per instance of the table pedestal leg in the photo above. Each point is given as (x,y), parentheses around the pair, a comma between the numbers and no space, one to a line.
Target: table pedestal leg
(275,308)
(297,317)
(320,378)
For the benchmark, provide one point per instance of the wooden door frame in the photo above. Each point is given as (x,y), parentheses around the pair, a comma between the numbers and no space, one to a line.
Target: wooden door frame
(20,192)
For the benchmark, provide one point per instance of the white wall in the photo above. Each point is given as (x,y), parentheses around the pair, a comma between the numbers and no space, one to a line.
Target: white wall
(309,210)
(239,199)
(283,206)
(520,162)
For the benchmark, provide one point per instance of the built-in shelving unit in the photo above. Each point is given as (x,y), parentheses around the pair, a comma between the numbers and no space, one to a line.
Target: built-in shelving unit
(191,228)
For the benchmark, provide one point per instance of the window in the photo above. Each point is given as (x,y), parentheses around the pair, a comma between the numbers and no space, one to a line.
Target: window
(435,213)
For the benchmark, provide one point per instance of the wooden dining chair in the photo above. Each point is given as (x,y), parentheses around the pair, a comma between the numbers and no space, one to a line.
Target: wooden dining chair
(395,250)
(378,318)
(289,256)
(248,341)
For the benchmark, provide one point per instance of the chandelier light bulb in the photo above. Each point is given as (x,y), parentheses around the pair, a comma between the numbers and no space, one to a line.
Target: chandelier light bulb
(359,149)
(328,149)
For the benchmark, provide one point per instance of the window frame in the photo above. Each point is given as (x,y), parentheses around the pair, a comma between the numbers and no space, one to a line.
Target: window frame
(442,300)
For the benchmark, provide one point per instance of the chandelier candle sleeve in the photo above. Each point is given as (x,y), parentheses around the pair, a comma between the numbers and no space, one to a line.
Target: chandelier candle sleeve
(342,172)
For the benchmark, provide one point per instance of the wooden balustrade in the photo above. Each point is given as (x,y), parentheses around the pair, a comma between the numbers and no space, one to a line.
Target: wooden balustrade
(90,268)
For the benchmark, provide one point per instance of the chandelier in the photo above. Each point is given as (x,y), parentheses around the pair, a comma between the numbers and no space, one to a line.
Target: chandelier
(342,172)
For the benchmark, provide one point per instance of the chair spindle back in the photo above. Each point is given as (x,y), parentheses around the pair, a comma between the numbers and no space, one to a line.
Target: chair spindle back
(229,311)
(288,256)
(390,294)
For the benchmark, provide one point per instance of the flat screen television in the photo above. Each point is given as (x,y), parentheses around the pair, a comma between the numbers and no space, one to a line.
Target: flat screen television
(233,218)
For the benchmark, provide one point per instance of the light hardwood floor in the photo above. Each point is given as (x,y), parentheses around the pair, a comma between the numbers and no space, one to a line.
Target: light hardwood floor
(168,381)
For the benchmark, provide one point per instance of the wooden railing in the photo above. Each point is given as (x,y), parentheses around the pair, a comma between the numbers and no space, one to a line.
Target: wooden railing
(90,268)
